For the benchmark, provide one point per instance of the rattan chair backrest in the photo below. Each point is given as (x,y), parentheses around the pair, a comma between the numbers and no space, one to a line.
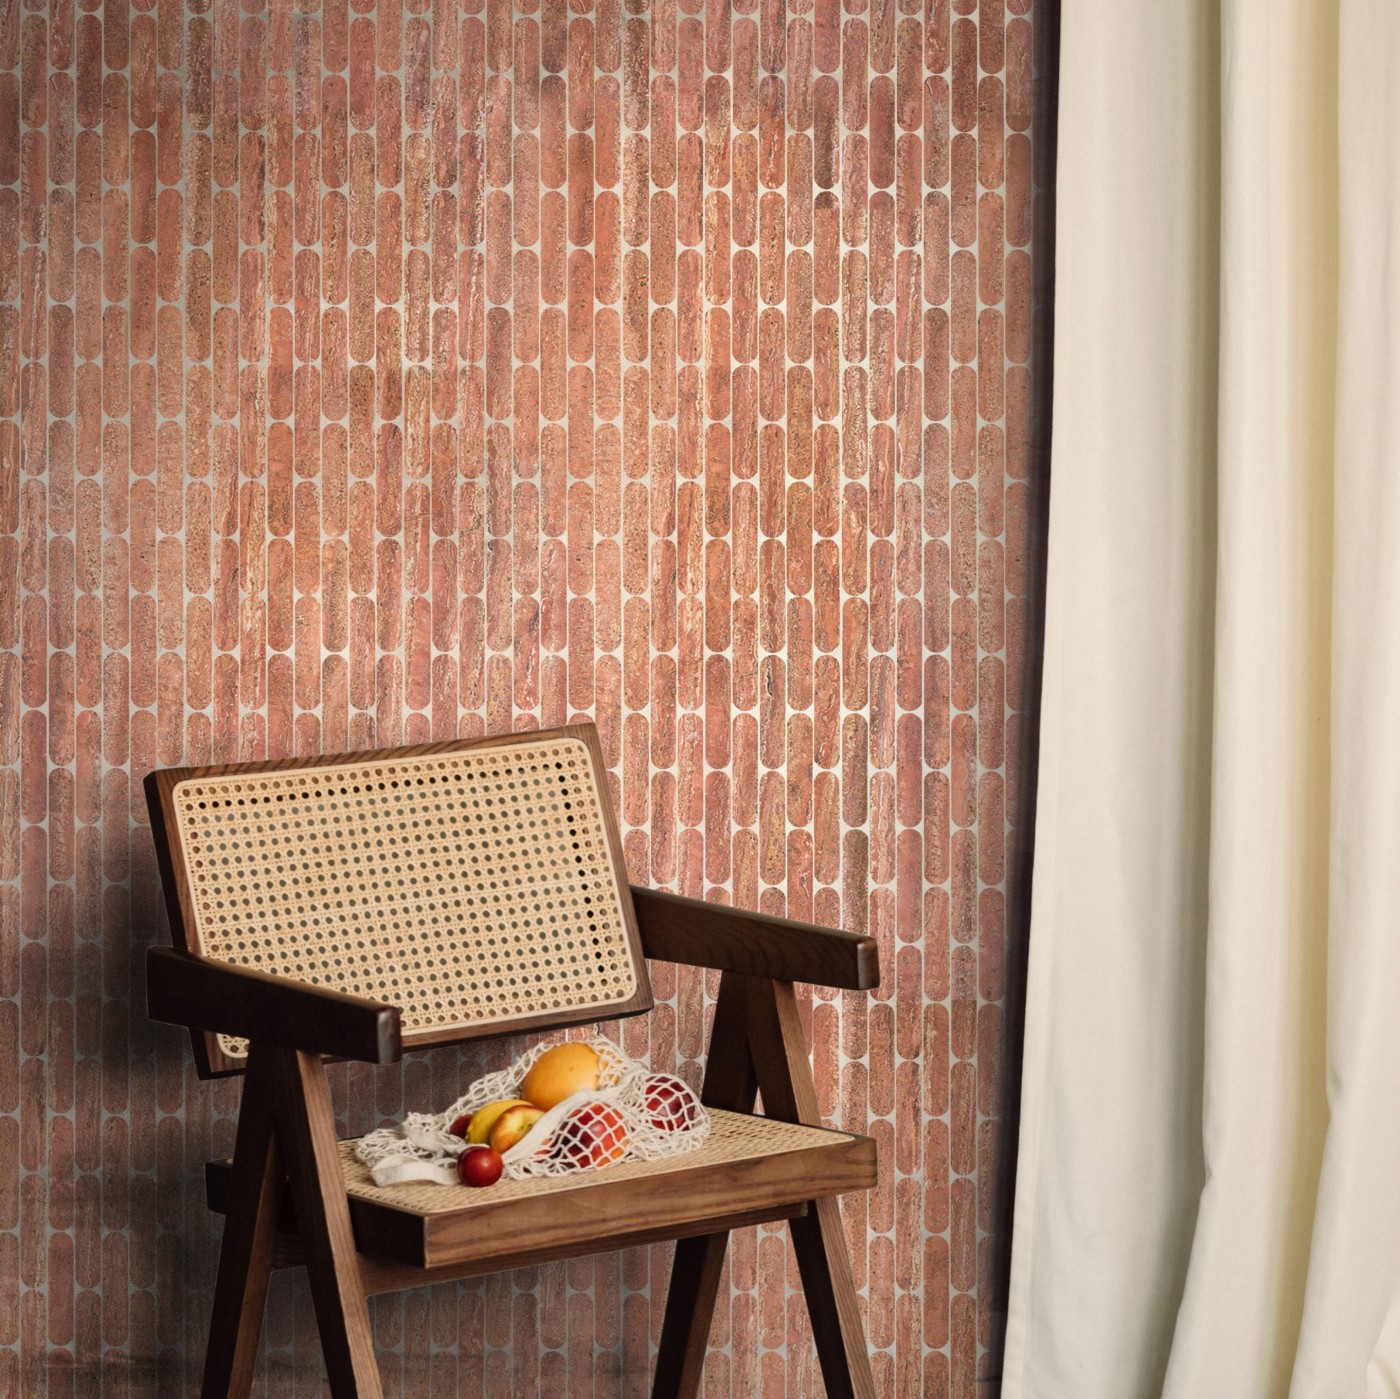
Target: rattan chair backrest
(477,885)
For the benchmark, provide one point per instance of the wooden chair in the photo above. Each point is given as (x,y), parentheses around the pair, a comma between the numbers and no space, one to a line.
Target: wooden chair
(359,906)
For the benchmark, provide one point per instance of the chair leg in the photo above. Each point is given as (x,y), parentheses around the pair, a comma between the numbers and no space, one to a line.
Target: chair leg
(306,1125)
(730,1082)
(245,1254)
(784,1070)
(825,1265)
(690,1311)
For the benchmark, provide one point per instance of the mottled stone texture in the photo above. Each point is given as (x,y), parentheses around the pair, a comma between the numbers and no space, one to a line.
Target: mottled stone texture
(377,373)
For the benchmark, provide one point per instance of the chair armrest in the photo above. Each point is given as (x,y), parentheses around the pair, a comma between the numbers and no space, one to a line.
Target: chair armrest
(700,934)
(184,989)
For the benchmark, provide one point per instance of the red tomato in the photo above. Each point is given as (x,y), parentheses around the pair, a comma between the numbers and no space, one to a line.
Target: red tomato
(459,1127)
(480,1166)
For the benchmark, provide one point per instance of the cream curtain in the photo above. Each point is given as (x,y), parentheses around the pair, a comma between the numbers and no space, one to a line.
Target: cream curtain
(1208,1197)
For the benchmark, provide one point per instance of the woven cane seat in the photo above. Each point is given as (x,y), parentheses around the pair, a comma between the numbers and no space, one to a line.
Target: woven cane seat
(772,1167)
(471,885)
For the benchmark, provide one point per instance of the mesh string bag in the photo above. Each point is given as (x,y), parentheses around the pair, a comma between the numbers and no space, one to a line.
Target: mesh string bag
(632,1115)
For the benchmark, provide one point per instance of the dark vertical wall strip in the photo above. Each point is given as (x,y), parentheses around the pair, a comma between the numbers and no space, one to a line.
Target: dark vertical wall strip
(1020,874)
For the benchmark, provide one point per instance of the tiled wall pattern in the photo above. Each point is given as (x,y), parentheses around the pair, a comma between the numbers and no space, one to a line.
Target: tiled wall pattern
(378,372)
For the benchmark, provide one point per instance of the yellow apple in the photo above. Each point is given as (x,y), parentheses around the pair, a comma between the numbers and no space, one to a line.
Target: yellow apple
(484,1119)
(512,1125)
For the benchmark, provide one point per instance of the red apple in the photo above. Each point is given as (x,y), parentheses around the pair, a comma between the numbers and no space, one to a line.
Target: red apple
(602,1130)
(669,1104)
(480,1166)
(459,1127)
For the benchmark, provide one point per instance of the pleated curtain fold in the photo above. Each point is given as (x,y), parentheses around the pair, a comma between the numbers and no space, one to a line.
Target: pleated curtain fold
(1208,1198)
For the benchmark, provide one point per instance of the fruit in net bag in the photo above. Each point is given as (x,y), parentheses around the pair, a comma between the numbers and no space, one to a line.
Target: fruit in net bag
(512,1125)
(483,1121)
(595,1135)
(606,1109)
(559,1073)
(671,1105)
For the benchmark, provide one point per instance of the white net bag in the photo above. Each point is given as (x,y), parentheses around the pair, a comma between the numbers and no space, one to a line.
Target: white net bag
(632,1115)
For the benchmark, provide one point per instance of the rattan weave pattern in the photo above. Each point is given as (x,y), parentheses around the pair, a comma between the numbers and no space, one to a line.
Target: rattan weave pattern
(733,1137)
(463,887)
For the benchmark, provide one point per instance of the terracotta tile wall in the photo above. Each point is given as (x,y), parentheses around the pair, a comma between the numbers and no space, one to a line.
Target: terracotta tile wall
(372,373)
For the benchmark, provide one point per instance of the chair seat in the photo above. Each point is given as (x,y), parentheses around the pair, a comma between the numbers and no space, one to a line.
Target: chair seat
(750,1169)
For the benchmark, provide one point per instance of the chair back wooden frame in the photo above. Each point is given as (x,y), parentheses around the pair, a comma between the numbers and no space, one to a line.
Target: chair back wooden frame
(286,1202)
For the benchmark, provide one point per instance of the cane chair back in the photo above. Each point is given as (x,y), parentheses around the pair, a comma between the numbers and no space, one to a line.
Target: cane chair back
(476,885)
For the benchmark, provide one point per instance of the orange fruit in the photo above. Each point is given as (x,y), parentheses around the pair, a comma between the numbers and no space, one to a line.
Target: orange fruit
(559,1073)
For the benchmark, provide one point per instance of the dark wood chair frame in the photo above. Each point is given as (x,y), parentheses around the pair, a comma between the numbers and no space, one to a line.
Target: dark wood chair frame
(286,1138)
